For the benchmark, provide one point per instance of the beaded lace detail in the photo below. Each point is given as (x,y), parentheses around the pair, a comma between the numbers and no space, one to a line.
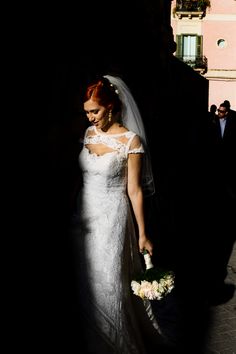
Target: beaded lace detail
(118,142)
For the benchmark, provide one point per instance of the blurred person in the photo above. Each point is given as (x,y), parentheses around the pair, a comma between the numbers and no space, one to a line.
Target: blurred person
(230,110)
(222,220)
(212,112)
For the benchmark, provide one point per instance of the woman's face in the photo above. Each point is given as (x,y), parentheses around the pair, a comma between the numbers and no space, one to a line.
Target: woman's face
(96,114)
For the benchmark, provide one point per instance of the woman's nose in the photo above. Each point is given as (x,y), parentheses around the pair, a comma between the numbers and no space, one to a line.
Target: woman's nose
(90,117)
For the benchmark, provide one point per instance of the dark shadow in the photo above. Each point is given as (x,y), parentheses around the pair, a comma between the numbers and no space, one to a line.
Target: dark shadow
(173,100)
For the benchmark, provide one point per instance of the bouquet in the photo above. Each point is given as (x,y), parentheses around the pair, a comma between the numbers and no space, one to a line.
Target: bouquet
(153,283)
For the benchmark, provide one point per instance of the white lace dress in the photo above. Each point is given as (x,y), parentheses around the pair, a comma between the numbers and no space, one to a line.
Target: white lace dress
(105,245)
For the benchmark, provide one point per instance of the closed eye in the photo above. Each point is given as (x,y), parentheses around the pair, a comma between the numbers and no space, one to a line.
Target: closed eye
(94,111)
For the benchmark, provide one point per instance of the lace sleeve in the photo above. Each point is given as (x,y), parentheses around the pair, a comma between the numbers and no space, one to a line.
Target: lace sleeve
(135,146)
(88,132)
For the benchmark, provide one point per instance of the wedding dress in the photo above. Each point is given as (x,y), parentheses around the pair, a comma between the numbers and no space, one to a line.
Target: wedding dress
(105,244)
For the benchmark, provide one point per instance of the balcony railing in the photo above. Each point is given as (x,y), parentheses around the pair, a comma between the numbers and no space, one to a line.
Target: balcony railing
(198,63)
(191,8)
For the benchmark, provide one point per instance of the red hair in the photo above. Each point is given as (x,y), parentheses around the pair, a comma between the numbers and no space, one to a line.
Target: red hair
(104,93)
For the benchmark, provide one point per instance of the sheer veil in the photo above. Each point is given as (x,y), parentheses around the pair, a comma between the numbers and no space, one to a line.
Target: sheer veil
(132,120)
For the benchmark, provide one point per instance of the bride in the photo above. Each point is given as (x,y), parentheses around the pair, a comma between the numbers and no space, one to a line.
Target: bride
(117,175)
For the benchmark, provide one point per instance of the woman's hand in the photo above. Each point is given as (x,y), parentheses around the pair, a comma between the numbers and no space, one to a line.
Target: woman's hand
(145,243)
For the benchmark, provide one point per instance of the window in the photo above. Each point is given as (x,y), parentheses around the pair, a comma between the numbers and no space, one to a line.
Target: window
(221,43)
(189,50)
(189,47)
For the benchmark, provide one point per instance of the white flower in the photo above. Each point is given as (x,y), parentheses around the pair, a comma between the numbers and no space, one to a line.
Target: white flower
(153,290)
(135,287)
(154,283)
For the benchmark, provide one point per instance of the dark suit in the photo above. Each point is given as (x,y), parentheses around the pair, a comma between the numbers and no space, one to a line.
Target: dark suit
(222,197)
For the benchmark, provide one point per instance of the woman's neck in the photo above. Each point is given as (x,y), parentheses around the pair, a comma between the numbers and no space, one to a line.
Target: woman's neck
(110,128)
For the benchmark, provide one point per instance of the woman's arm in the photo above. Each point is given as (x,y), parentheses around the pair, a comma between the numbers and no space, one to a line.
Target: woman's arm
(135,194)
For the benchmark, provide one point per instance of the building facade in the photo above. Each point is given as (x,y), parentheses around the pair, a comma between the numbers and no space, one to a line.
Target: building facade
(204,32)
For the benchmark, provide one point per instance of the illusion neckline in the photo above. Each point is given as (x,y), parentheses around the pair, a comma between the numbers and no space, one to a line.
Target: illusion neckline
(107,134)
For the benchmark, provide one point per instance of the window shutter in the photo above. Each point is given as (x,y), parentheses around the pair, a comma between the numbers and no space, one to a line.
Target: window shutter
(199,46)
(179,43)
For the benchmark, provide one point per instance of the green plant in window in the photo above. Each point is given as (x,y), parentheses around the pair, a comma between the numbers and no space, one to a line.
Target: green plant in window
(203,4)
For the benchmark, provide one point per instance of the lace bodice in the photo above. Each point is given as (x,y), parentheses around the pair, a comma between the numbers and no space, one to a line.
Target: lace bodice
(103,159)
